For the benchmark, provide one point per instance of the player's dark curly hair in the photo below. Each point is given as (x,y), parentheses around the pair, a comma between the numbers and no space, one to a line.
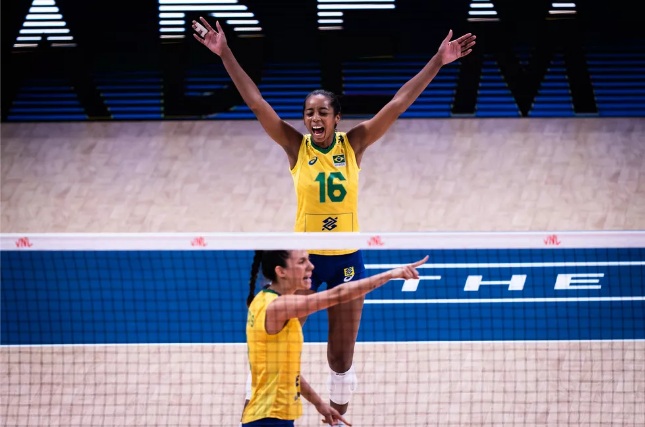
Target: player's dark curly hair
(269,261)
(333,99)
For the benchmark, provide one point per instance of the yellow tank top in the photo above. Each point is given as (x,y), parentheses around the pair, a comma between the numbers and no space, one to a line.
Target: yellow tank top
(275,365)
(326,184)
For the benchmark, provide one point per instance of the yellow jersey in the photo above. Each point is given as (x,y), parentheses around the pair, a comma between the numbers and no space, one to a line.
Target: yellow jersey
(326,184)
(275,365)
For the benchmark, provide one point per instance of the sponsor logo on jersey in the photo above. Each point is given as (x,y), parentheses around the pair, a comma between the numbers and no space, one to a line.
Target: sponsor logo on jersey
(349,274)
(312,161)
(339,160)
(329,223)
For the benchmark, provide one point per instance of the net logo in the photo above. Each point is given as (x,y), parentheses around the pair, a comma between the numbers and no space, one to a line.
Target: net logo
(199,242)
(23,242)
(330,223)
(552,240)
(375,241)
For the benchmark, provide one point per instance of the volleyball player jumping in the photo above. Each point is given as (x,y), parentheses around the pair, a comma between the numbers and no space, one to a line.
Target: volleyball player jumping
(325,165)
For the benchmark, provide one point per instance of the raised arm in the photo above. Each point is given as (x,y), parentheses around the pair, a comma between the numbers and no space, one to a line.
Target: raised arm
(297,306)
(369,131)
(279,130)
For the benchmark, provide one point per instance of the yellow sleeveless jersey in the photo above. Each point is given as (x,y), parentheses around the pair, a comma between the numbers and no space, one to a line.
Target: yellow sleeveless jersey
(275,365)
(326,184)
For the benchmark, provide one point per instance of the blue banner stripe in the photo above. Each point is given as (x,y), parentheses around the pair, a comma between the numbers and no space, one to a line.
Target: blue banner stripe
(129,297)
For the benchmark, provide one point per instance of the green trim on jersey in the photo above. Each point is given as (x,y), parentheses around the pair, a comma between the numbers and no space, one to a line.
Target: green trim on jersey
(321,149)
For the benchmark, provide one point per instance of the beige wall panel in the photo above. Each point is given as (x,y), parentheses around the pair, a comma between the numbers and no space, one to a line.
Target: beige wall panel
(225,176)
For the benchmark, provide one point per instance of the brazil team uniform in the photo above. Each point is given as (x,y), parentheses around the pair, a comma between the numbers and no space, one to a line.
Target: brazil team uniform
(326,184)
(275,368)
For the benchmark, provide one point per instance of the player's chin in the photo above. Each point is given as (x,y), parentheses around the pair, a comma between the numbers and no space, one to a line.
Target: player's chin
(306,283)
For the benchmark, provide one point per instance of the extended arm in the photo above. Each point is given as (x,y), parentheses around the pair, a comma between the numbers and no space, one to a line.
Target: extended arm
(297,306)
(279,130)
(369,131)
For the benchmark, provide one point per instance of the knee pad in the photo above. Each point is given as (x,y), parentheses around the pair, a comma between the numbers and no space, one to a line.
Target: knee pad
(341,386)
(247,387)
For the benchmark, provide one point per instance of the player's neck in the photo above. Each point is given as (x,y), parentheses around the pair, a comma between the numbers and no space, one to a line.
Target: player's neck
(278,289)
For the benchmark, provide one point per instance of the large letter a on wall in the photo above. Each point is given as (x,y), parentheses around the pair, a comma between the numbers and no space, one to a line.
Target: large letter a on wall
(44,24)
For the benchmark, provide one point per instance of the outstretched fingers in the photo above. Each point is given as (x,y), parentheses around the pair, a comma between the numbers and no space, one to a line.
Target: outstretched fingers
(199,29)
(207,25)
(465,52)
(199,38)
(466,42)
(448,37)
(420,262)
(466,36)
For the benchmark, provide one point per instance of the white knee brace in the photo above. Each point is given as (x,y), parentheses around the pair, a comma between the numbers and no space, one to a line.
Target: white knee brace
(341,386)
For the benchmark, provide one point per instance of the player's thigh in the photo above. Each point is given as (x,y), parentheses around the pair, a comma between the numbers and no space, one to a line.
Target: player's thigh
(344,319)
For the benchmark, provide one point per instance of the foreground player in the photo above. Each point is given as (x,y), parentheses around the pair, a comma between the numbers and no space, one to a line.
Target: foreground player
(325,165)
(274,334)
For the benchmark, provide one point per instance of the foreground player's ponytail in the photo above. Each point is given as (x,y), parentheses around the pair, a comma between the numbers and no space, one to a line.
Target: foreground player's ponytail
(255,267)
(269,260)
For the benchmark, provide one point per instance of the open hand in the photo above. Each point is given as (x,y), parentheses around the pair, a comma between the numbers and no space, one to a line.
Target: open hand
(451,50)
(215,40)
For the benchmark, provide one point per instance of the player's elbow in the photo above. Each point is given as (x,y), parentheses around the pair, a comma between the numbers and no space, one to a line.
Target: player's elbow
(257,104)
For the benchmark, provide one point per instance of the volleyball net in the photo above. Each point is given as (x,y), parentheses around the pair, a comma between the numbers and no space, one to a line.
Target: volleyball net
(500,328)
